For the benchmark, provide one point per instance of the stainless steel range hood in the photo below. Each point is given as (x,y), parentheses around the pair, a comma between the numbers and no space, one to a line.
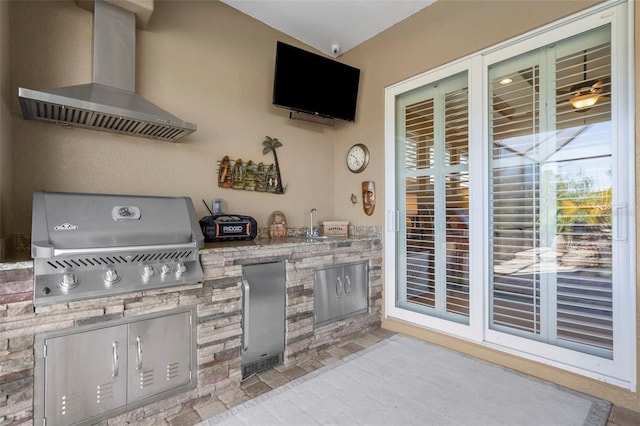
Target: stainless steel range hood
(109,103)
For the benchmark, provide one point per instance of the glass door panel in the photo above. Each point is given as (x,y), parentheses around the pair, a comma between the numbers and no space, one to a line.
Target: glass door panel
(433,197)
(551,194)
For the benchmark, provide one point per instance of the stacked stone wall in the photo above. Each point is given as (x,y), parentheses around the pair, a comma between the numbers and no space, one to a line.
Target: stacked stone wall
(218,302)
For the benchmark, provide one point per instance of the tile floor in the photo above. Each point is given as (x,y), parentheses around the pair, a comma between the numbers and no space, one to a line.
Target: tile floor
(280,375)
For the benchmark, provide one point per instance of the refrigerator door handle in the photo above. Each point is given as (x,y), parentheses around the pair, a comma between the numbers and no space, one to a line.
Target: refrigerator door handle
(245,315)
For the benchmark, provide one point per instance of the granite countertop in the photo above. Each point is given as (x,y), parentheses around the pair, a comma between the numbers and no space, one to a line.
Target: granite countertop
(16,264)
(270,242)
(23,260)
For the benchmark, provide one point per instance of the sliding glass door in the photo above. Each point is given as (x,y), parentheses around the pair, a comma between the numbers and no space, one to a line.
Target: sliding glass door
(433,199)
(510,198)
(551,194)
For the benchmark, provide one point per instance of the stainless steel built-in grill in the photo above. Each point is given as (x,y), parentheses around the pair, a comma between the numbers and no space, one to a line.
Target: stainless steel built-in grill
(96,245)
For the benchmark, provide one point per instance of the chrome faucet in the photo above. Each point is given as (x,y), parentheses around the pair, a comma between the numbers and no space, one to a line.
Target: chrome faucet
(311,232)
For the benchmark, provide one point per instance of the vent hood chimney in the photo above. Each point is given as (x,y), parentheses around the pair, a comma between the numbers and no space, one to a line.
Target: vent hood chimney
(109,103)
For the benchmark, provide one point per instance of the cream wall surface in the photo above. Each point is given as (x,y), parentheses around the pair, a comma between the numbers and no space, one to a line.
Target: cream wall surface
(203,62)
(210,64)
(5,118)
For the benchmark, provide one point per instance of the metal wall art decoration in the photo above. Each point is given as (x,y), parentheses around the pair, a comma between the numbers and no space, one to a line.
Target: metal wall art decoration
(248,176)
(270,144)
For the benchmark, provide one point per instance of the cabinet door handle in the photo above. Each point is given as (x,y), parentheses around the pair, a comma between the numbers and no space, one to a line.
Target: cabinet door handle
(245,316)
(347,285)
(139,353)
(115,363)
(338,287)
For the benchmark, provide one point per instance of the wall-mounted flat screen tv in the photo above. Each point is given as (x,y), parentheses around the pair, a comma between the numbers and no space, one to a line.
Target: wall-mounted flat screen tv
(310,83)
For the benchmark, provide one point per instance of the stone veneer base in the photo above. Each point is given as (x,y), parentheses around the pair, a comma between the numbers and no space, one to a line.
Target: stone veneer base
(219,309)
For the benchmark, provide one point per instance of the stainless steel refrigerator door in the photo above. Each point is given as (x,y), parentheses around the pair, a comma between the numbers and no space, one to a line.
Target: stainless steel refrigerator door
(159,355)
(264,311)
(85,374)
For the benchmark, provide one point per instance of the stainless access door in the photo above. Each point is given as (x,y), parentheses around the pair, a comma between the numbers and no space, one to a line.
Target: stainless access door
(328,290)
(355,295)
(264,311)
(85,374)
(339,292)
(159,355)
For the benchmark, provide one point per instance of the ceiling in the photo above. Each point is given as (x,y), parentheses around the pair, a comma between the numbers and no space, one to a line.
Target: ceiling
(331,26)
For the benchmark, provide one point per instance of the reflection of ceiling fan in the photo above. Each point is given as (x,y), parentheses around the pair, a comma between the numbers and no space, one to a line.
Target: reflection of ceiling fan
(578,97)
(588,92)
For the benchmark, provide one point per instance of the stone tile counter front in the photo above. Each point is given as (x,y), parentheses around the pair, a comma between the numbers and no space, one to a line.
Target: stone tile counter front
(218,302)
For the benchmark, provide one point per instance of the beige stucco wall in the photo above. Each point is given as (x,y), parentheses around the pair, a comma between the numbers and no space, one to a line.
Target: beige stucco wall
(5,120)
(203,62)
(209,64)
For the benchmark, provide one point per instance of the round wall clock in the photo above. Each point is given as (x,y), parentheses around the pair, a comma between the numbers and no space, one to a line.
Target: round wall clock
(357,158)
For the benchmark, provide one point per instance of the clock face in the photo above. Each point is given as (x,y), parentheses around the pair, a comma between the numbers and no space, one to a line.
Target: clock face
(357,158)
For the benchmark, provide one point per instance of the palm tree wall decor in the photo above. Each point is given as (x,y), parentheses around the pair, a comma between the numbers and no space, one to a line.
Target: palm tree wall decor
(270,144)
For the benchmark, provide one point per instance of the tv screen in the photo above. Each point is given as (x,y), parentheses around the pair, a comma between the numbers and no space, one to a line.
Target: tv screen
(313,84)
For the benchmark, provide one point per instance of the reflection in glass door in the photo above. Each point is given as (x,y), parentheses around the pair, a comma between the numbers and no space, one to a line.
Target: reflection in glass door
(551,195)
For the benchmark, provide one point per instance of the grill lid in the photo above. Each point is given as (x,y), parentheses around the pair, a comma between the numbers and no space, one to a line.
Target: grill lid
(66,223)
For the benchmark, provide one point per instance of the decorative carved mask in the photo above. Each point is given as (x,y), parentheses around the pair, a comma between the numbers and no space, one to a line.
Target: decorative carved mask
(368,197)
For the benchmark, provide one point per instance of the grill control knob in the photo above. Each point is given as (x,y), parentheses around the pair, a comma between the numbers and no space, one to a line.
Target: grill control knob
(165,269)
(148,271)
(181,268)
(111,276)
(68,281)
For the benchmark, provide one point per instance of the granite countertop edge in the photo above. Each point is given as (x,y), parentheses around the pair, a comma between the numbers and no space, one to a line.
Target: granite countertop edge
(271,242)
(215,247)
(22,264)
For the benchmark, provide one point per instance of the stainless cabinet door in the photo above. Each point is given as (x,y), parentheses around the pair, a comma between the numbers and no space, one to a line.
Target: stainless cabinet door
(159,355)
(264,311)
(355,297)
(329,290)
(89,377)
